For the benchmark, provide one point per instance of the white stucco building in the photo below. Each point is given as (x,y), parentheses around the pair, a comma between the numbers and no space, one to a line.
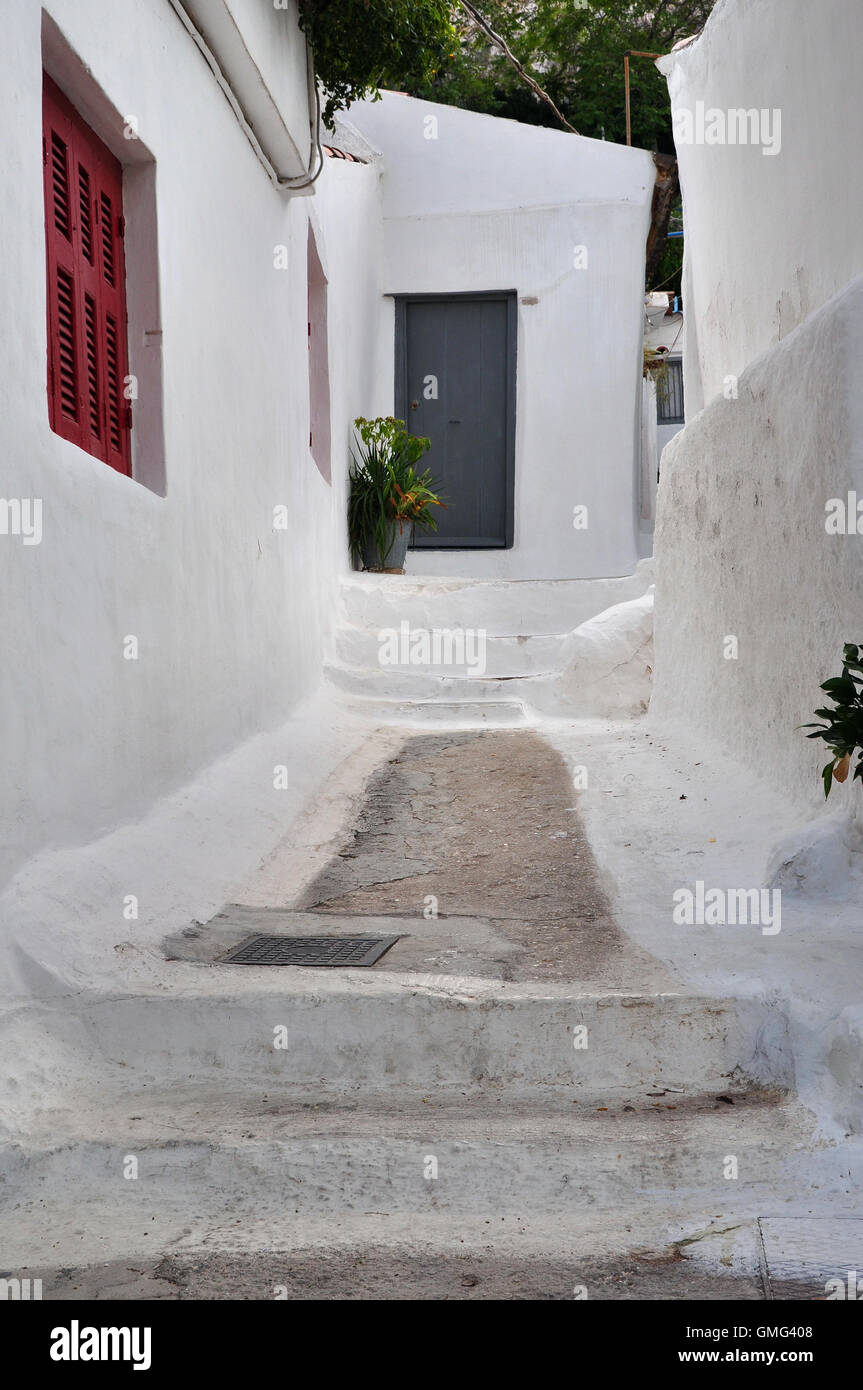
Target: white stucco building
(471,205)
(773,353)
(191,495)
(226,613)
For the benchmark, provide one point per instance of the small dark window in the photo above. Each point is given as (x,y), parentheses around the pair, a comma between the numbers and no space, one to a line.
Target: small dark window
(669,394)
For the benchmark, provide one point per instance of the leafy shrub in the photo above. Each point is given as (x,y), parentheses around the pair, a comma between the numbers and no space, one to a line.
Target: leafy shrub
(843,732)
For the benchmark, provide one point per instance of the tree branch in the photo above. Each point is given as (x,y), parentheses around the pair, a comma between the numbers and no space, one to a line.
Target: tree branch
(519,67)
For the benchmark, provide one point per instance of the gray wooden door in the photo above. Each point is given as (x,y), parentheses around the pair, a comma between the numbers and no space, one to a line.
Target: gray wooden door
(455,383)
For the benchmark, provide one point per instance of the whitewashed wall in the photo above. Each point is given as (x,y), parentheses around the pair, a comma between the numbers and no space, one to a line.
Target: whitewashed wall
(230,615)
(742,552)
(772,251)
(494,205)
(649,457)
(769,238)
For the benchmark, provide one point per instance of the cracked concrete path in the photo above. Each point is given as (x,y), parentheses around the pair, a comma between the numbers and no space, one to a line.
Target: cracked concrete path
(484,827)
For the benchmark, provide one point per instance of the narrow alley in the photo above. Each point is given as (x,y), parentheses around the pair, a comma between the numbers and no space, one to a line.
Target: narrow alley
(432,680)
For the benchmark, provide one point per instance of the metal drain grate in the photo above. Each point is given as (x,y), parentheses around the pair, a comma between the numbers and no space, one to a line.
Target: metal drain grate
(309,950)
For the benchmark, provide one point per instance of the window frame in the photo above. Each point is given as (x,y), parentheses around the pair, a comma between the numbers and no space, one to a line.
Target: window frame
(673,396)
(87,321)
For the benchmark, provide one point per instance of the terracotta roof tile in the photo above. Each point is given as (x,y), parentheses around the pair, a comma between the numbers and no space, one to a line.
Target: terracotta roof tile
(332,153)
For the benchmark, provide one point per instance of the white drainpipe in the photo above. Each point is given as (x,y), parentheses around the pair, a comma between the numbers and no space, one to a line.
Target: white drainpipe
(314,103)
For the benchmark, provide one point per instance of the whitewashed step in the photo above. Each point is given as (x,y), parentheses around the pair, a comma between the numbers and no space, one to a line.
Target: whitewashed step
(221,1171)
(524,655)
(431,683)
(439,714)
(504,608)
(199,1158)
(366,1031)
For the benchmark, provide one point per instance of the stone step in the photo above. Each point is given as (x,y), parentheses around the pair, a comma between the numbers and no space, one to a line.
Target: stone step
(273,1029)
(439,714)
(492,1260)
(231,1170)
(504,608)
(650,1254)
(524,655)
(432,684)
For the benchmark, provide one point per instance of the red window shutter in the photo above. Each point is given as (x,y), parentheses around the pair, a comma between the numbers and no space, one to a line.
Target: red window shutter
(87,335)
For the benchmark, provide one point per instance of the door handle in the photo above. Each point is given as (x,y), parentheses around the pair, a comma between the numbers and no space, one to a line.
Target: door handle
(453,422)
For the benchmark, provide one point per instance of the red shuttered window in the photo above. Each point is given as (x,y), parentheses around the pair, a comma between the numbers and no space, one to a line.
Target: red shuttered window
(87,339)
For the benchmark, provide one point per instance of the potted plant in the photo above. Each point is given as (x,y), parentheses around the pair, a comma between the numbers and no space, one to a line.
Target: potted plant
(655,369)
(843,733)
(388,497)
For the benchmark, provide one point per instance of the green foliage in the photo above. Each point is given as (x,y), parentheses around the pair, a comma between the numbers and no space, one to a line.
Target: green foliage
(360,46)
(843,732)
(655,365)
(575,51)
(386,491)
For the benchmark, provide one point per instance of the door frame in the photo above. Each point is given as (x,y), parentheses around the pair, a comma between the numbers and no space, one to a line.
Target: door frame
(401,394)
